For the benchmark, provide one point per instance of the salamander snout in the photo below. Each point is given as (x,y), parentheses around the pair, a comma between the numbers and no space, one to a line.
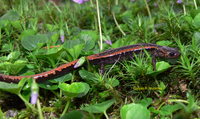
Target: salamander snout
(167,52)
(174,54)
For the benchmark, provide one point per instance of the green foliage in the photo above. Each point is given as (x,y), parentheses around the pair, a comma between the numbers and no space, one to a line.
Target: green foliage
(196,21)
(130,111)
(100,107)
(76,89)
(33,41)
(13,68)
(130,89)
(63,78)
(87,75)
(74,115)
(169,109)
(27,33)
(13,88)
(161,67)
(11,15)
(80,62)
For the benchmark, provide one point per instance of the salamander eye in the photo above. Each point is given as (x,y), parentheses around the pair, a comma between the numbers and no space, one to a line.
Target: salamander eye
(171,54)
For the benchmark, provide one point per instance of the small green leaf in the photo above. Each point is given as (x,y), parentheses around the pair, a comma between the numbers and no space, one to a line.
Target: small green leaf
(17,24)
(54,38)
(69,44)
(39,45)
(12,87)
(26,93)
(164,43)
(192,105)
(87,87)
(129,40)
(196,39)
(75,30)
(48,85)
(127,16)
(188,19)
(4,23)
(74,115)
(20,61)
(161,67)
(30,42)
(145,102)
(51,55)
(113,82)
(89,42)
(100,107)
(73,90)
(117,44)
(33,21)
(75,52)
(12,16)
(13,55)
(87,75)
(61,79)
(194,12)
(116,8)
(1,113)
(196,22)
(22,82)
(53,51)
(133,111)
(50,34)
(89,38)
(27,33)
(87,53)
(4,58)
(162,85)
(169,109)
(103,95)
(49,27)
(5,47)
(125,28)
(13,68)
(153,110)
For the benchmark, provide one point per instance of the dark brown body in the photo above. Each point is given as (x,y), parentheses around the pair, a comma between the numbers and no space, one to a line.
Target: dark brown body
(107,57)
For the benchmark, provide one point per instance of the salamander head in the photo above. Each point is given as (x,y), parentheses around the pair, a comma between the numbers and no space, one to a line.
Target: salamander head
(167,52)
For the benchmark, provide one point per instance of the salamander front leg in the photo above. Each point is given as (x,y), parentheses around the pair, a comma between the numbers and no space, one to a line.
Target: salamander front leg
(102,68)
(154,62)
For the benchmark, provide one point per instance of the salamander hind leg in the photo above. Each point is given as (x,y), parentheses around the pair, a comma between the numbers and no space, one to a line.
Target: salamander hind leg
(102,69)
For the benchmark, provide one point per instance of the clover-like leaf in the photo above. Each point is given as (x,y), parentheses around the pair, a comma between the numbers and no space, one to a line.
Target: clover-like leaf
(169,109)
(11,87)
(76,51)
(30,42)
(134,111)
(74,89)
(74,115)
(161,67)
(146,102)
(13,68)
(12,16)
(196,22)
(88,75)
(27,33)
(100,107)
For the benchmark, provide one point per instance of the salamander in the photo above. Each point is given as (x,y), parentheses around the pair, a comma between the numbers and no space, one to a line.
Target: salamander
(106,57)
